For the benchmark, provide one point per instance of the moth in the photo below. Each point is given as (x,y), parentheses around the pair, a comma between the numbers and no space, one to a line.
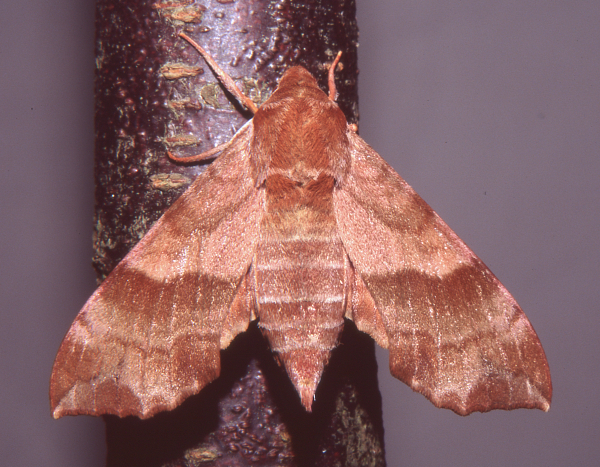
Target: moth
(298,224)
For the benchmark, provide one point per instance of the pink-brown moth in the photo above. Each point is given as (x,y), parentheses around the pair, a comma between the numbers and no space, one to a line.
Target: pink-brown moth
(299,224)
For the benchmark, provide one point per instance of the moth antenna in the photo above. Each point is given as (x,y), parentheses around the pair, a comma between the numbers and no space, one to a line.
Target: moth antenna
(211,153)
(331,76)
(223,77)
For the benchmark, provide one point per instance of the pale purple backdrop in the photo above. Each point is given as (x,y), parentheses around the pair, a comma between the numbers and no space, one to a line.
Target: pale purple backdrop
(490,110)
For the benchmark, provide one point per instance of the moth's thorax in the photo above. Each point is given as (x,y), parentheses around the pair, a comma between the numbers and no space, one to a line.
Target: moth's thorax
(299,132)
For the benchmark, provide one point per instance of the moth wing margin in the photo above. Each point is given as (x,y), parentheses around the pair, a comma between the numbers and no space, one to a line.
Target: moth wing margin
(150,335)
(454,332)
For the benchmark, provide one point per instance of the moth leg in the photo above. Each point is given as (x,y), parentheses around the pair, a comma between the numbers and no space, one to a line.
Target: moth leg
(331,77)
(223,77)
(210,154)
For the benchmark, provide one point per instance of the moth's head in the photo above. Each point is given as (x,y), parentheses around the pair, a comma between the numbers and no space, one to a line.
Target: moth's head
(297,77)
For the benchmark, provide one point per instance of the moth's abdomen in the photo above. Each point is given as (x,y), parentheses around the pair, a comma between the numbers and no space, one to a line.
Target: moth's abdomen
(300,272)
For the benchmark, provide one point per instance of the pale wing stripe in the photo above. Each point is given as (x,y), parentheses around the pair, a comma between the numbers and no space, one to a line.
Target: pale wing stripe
(313,299)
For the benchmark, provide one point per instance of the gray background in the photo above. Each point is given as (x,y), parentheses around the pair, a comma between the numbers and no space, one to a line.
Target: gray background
(490,110)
